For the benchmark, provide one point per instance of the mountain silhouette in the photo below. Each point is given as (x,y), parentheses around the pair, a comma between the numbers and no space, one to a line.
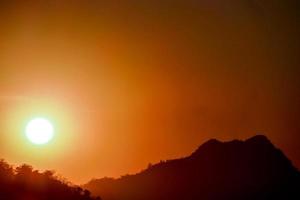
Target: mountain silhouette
(24,183)
(237,170)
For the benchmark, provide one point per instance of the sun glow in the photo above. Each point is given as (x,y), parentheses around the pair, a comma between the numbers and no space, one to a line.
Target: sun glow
(39,131)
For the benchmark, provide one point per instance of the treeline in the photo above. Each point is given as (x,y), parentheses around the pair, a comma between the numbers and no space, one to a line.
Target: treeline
(23,182)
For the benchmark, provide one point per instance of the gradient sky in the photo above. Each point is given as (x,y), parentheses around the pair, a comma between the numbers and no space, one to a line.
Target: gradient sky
(129,83)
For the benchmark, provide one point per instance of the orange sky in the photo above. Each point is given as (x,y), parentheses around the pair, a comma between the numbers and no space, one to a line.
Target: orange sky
(131,83)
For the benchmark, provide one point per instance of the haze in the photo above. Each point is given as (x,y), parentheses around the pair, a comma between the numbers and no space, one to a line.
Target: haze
(126,84)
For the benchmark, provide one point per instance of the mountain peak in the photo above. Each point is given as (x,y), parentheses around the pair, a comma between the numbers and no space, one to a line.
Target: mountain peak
(214,144)
(210,144)
(259,139)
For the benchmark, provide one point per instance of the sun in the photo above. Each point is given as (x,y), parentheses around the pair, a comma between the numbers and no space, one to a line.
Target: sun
(39,131)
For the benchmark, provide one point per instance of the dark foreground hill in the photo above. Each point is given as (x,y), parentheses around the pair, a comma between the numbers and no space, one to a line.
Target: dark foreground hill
(238,170)
(24,183)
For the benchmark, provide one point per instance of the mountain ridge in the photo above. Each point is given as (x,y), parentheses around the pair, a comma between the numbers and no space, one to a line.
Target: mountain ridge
(250,169)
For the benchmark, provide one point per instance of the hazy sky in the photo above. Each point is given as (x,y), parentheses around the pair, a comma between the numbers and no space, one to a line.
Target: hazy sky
(128,83)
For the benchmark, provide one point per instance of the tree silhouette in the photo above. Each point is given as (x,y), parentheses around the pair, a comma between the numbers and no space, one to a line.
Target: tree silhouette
(23,182)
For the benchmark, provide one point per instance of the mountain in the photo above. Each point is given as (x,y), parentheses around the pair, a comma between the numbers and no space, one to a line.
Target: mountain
(237,170)
(24,183)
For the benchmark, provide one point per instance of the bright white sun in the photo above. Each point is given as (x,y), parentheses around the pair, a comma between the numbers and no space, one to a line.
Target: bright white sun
(39,131)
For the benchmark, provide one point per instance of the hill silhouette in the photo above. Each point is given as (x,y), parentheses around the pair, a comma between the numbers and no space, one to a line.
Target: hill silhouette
(237,170)
(24,183)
